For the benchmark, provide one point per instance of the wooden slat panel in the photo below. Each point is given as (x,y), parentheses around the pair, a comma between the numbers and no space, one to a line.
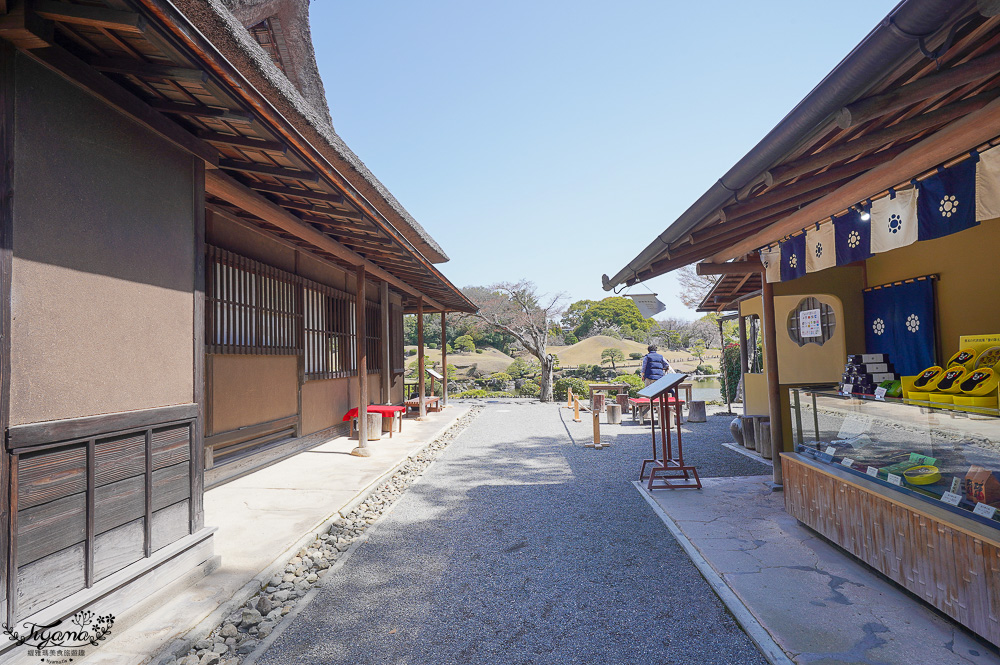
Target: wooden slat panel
(118,503)
(117,548)
(120,457)
(49,475)
(22,436)
(170,524)
(946,565)
(49,580)
(171,446)
(170,485)
(51,527)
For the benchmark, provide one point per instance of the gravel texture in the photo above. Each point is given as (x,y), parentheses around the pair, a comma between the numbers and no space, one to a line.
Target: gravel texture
(521,546)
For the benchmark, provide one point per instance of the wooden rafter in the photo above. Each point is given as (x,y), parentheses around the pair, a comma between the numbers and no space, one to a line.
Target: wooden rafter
(268,169)
(90,16)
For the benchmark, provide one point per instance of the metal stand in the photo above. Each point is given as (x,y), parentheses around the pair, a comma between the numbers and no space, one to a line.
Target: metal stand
(666,468)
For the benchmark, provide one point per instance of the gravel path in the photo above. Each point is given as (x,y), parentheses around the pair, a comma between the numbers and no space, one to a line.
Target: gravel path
(521,546)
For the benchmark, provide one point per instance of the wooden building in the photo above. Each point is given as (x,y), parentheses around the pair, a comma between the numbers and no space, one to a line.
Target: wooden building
(911,108)
(194,270)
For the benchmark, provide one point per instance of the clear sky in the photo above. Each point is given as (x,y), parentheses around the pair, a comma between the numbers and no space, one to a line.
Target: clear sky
(554,139)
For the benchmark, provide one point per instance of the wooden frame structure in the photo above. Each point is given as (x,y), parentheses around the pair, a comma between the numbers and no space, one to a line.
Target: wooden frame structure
(665,466)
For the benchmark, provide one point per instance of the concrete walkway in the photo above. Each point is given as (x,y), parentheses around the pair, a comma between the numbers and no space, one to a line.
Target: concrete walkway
(263,519)
(820,605)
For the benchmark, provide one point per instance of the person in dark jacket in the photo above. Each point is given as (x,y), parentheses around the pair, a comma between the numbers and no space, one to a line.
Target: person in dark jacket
(654,366)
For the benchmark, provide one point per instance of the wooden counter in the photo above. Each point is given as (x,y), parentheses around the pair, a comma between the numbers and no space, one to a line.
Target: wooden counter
(946,559)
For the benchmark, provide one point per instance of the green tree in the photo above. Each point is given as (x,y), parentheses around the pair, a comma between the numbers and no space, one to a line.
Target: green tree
(616,311)
(698,350)
(570,339)
(573,315)
(612,355)
(465,343)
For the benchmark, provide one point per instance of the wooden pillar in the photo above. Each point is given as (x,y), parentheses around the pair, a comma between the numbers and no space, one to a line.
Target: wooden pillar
(744,351)
(773,388)
(444,359)
(422,411)
(386,351)
(359,337)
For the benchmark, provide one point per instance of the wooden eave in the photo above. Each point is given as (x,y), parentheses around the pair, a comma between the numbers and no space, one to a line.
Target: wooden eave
(836,156)
(729,290)
(151,65)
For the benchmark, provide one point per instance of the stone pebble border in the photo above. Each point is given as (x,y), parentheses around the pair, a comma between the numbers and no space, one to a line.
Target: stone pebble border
(242,633)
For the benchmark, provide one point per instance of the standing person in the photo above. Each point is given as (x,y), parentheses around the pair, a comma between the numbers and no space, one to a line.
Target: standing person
(654,366)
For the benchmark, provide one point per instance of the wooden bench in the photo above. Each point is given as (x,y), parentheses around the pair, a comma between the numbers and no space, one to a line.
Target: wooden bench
(433,403)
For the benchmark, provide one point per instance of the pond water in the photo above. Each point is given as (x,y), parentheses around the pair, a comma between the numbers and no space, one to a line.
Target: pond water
(705,389)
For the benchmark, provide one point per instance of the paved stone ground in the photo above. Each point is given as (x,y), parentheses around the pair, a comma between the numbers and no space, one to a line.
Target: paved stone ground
(521,546)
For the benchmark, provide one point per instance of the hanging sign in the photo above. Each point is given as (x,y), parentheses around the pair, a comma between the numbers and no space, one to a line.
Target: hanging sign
(649,305)
(809,323)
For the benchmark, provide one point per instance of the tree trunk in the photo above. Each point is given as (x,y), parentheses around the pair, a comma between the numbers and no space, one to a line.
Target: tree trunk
(548,364)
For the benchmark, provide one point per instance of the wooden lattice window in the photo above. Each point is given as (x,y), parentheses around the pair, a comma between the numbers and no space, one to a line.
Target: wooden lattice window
(396,339)
(329,332)
(252,308)
(373,337)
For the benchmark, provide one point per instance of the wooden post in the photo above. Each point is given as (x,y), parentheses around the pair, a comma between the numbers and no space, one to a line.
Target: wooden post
(773,388)
(576,409)
(422,411)
(569,398)
(360,344)
(386,351)
(444,359)
(597,430)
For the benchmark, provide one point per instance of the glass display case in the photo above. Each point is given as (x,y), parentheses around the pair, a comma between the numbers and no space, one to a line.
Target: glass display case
(948,456)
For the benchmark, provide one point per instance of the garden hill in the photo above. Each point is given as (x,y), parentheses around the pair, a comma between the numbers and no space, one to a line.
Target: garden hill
(588,352)
(489,361)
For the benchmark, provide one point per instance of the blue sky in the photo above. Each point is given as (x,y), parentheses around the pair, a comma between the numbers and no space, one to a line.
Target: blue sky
(552,140)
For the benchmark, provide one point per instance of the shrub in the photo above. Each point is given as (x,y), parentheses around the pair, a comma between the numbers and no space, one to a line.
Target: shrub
(730,362)
(522,368)
(465,343)
(432,345)
(411,352)
(704,369)
(569,339)
(479,350)
(529,389)
(580,387)
(498,379)
(635,383)
(478,392)
(635,355)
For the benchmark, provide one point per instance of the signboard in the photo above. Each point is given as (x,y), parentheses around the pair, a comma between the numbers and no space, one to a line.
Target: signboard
(435,374)
(809,323)
(649,305)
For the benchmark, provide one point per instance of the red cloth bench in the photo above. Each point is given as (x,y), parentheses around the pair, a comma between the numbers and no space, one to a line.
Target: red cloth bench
(386,410)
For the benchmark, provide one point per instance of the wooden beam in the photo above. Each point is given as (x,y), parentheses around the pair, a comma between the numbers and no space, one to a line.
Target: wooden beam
(335,212)
(731,268)
(25,30)
(386,350)
(242,142)
(94,17)
(267,169)
(770,198)
(770,325)
(361,349)
(421,402)
(944,81)
(444,359)
(84,76)
(301,193)
(148,70)
(877,139)
(200,111)
(972,131)
(227,188)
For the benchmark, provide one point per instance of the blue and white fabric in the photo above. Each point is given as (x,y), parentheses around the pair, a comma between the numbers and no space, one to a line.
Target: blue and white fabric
(770,258)
(945,204)
(894,221)
(821,250)
(853,237)
(793,258)
(900,321)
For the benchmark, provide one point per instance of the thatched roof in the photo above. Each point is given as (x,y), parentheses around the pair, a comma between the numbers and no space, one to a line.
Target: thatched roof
(298,94)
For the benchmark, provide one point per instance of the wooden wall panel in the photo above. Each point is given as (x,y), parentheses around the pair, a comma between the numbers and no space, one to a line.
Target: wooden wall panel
(171,446)
(118,548)
(170,524)
(950,564)
(49,580)
(118,503)
(120,457)
(170,485)
(50,527)
(49,475)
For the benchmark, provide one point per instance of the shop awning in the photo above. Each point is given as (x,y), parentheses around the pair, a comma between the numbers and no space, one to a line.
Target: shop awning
(896,108)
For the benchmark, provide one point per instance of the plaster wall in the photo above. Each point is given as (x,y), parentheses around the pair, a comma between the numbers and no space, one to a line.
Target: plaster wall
(968,277)
(324,402)
(249,390)
(103,258)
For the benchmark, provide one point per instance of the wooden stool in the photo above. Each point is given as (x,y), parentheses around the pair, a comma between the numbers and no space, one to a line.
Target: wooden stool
(696,412)
(614,412)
